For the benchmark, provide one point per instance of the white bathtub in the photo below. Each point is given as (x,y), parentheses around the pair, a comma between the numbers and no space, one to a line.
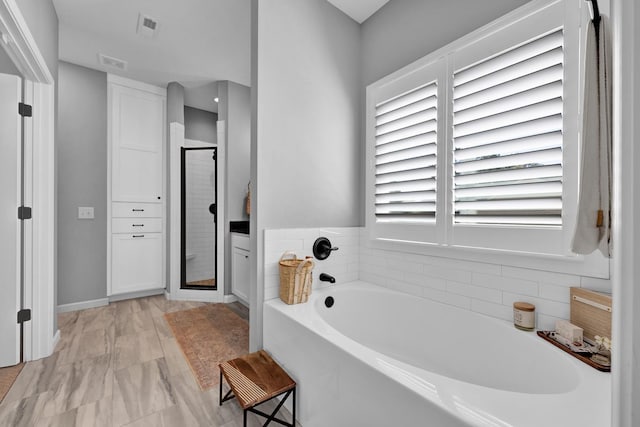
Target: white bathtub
(382,358)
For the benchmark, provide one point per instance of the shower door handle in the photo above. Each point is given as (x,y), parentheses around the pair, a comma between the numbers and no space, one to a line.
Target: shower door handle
(212,208)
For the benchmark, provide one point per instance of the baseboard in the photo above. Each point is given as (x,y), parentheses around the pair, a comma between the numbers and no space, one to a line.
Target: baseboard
(230,298)
(83,305)
(55,340)
(193,295)
(139,294)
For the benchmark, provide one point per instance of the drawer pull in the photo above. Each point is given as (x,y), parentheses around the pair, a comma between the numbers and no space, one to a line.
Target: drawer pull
(137,225)
(138,235)
(137,210)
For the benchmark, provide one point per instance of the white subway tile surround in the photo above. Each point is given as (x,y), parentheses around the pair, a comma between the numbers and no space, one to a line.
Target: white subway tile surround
(485,288)
(342,264)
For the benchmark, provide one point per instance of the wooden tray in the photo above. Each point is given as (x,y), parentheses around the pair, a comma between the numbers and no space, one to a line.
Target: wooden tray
(545,336)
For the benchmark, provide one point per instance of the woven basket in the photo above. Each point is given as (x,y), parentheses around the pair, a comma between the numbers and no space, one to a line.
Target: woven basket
(295,278)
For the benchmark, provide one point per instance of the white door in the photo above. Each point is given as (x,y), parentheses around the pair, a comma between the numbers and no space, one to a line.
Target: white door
(10,185)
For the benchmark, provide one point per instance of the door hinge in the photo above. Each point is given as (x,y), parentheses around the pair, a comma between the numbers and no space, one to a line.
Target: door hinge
(24,212)
(24,315)
(25,110)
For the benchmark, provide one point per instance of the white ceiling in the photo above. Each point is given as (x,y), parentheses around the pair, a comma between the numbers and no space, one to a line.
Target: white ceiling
(359,10)
(197,42)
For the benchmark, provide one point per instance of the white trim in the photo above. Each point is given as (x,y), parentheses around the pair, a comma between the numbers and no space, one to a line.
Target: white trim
(22,47)
(56,339)
(626,206)
(194,143)
(30,230)
(194,295)
(122,81)
(137,294)
(228,299)
(177,141)
(221,162)
(83,305)
(23,50)
(44,223)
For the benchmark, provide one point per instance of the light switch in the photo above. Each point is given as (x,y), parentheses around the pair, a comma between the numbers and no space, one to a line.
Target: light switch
(85,212)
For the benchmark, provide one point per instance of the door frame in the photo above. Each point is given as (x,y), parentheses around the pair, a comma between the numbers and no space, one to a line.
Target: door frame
(183,210)
(40,278)
(177,141)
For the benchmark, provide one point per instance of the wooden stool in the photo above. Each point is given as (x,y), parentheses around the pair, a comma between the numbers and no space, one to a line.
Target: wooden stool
(254,379)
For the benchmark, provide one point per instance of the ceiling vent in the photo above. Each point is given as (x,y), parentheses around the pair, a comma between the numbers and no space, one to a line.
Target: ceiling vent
(109,61)
(147,26)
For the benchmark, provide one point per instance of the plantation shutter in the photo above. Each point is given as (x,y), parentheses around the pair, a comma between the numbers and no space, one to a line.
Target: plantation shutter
(405,156)
(507,136)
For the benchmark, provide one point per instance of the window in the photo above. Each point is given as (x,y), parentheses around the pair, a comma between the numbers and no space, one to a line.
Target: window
(475,145)
(507,136)
(405,159)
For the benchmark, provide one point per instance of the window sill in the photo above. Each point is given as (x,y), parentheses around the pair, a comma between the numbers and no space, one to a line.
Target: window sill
(594,265)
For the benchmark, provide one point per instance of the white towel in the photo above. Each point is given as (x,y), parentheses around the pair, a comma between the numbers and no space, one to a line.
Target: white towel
(595,173)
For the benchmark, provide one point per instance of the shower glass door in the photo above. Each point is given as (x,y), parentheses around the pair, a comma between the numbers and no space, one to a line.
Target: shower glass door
(199,212)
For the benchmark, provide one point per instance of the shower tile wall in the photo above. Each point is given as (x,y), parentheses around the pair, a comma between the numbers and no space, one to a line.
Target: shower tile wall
(200,225)
(485,288)
(489,289)
(342,264)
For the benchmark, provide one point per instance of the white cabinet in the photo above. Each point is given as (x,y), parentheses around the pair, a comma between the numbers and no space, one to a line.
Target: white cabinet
(240,266)
(135,262)
(137,134)
(136,253)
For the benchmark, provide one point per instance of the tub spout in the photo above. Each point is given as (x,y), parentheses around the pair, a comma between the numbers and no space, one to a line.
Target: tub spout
(324,277)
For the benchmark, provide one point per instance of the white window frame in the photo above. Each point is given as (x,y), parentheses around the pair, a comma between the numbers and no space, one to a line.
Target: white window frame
(546,247)
(432,71)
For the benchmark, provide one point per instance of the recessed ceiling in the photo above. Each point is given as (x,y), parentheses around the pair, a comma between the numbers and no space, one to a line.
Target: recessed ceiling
(196,43)
(359,10)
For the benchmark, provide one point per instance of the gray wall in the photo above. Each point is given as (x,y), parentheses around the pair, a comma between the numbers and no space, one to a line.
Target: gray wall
(175,103)
(82,181)
(405,30)
(6,64)
(235,110)
(308,87)
(305,148)
(200,125)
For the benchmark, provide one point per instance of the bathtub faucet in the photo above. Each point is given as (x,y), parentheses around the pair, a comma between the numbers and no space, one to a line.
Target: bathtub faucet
(324,277)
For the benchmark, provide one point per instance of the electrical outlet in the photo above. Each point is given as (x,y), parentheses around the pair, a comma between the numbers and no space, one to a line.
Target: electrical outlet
(85,213)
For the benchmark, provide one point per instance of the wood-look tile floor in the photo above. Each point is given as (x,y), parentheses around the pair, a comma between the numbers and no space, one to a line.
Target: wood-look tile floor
(118,365)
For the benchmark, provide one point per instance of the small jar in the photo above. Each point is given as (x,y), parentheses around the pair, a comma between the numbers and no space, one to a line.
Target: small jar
(524,316)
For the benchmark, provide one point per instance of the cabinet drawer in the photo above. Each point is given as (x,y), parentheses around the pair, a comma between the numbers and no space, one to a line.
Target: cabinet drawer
(136,210)
(136,225)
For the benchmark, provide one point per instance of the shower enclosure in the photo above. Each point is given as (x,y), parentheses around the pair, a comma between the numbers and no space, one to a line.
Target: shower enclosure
(199,216)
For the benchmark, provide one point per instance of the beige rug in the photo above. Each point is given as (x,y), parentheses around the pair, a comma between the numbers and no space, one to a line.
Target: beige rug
(209,335)
(8,377)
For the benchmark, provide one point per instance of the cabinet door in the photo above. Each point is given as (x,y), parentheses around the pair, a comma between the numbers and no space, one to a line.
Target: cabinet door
(137,137)
(136,262)
(240,274)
